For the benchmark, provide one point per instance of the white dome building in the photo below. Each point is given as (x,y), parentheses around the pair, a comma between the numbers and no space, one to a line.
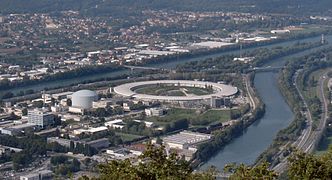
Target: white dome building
(84,99)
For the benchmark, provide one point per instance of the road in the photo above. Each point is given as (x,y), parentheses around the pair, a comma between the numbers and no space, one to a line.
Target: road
(309,139)
(142,67)
(250,92)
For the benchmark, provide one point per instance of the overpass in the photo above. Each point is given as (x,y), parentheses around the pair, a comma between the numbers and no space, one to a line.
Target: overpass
(267,68)
(143,68)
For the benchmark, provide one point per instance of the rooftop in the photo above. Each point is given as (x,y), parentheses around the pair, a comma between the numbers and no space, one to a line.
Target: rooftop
(187,137)
(85,93)
(221,90)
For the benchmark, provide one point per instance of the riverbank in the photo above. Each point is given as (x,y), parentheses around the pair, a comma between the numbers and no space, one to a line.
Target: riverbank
(304,125)
(168,62)
(258,137)
(224,136)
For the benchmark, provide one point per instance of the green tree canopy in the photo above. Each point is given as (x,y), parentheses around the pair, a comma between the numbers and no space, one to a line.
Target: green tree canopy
(154,165)
(309,166)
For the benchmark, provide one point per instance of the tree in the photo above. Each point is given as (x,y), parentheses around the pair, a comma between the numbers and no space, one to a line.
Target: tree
(242,171)
(55,160)
(38,104)
(69,102)
(159,140)
(156,166)
(24,112)
(308,166)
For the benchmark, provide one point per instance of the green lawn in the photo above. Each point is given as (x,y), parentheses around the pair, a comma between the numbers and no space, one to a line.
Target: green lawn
(195,118)
(198,91)
(311,91)
(128,137)
(217,115)
(169,90)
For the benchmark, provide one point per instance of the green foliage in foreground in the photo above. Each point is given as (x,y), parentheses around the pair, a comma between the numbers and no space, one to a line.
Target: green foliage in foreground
(157,166)
(246,172)
(308,166)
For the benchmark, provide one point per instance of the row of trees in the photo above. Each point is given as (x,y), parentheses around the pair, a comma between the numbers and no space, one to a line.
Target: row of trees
(226,64)
(83,71)
(158,166)
(63,165)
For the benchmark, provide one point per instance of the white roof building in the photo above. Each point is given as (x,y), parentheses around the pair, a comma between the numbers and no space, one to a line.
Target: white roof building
(221,90)
(211,44)
(185,139)
(90,130)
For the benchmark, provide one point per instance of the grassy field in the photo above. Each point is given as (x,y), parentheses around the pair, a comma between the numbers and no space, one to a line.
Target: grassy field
(209,117)
(311,91)
(169,90)
(198,91)
(128,137)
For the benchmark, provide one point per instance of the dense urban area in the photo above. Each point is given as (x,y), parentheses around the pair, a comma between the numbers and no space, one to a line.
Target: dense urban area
(90,87)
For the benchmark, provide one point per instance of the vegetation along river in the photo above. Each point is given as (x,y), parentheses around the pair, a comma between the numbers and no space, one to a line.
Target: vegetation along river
(278,115)
(259,135)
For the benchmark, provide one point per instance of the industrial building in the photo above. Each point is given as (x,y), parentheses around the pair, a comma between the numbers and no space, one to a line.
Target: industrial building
(62,95)
(117,124)
(154,112)
(84,99)
(211,44)
(99,143)
(90,130)
(41,175)
(40,117)
(61,141)
(17,129)
(185,140)
(217,102)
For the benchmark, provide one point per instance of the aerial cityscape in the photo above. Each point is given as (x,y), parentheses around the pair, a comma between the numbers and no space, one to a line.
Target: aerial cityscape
(125,89)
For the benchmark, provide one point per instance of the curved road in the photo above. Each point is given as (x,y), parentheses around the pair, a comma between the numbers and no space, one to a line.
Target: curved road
(309,138)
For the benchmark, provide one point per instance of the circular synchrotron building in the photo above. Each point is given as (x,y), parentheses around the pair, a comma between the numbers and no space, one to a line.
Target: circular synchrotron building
(219,91)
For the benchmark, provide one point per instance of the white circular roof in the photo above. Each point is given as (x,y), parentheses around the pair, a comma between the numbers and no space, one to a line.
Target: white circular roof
(83,93)
(222,90)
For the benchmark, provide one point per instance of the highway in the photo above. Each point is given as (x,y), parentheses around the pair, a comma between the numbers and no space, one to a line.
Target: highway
(142,67)
(309,138)
(250,92)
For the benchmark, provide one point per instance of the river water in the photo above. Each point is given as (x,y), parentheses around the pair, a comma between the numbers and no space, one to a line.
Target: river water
(170,64)
(278,115)
(256,138)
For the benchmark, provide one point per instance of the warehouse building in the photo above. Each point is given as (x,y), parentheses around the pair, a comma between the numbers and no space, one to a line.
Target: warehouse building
(186,140)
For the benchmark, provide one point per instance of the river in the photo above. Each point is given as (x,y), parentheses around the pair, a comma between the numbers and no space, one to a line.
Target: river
(256,138)
(170,64)
(278,115)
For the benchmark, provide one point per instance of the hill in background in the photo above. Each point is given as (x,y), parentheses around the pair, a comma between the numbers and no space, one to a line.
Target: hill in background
(127,7)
